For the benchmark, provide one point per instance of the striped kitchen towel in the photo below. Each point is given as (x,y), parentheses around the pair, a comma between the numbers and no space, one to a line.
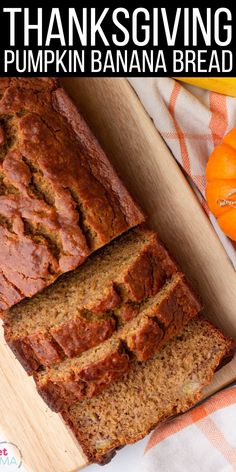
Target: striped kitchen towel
(204,439)
(192,122)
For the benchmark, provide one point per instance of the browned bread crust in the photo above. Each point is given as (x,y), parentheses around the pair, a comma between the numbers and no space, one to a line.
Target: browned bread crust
(140,274)
(94,373)
(41,348)
(151,392)
(60,198)
(160,318)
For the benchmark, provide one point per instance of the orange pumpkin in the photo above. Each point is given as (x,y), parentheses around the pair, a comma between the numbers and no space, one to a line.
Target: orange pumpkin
(221,184)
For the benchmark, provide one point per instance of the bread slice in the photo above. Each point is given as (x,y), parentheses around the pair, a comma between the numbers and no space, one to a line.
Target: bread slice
(77,312)
(160,318)
(84,376)
(60,198)
(151,392)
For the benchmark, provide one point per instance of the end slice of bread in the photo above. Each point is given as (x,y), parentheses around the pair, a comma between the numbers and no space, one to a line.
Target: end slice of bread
(151,392)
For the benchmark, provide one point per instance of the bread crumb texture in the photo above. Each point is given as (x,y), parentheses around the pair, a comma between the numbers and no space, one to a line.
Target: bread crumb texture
(86,306)
(151,392)
(159,319)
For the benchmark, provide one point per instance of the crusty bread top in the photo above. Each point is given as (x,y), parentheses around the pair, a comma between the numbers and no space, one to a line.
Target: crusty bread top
(60,198)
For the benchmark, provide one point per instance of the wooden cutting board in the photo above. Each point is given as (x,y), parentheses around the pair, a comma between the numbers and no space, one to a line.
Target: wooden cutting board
(149,170)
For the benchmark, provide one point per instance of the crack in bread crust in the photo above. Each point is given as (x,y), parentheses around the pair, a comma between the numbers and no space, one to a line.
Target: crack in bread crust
(50,198)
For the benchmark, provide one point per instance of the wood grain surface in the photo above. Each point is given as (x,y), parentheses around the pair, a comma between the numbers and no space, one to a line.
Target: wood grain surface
(149,170)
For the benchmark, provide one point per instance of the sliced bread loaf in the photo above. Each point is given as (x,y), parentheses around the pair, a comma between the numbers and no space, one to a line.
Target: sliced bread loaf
(78,311)
(159,318)
(151,392)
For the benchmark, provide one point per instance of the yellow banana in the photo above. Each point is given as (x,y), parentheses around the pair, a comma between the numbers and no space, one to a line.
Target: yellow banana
(226,85)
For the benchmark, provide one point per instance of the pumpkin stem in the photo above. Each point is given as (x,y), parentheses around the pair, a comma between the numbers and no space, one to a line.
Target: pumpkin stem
(222,202)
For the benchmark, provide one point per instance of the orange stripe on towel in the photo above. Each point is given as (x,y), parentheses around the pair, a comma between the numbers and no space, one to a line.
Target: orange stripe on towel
(194,136)
(200,181)
(180,135)
(221,400)
(217,439)
(219,118)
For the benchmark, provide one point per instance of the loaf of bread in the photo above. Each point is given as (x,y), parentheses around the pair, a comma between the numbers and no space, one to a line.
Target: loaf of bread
(111,344)
(60,198)
(149,393)
(157,320)
(85,307)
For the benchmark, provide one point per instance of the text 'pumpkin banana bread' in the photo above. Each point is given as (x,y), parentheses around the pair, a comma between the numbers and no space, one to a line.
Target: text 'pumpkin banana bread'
(84,307)
(158,319)
(60,198)
(150,393)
